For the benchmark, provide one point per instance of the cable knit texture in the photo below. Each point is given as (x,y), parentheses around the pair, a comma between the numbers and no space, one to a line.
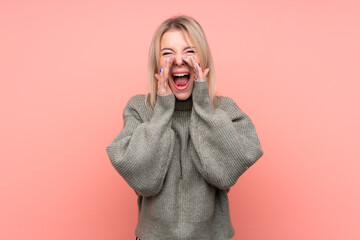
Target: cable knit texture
(181,158)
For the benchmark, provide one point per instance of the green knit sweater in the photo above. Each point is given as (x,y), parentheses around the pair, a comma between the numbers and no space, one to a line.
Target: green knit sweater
(181,158)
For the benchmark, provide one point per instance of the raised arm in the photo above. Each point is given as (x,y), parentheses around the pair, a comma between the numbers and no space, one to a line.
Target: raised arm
(224,141)
(141,153)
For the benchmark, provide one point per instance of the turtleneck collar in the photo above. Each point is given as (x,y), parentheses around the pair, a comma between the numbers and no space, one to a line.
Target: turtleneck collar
(183,105)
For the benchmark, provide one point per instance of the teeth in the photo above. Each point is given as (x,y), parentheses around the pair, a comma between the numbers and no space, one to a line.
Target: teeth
(180,74)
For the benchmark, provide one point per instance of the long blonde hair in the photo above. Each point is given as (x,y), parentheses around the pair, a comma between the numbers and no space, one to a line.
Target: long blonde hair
(197,36)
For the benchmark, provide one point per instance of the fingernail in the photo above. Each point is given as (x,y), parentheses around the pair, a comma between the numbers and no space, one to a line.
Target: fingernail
(184,57)
(160,69)
(171,57)
(199,64)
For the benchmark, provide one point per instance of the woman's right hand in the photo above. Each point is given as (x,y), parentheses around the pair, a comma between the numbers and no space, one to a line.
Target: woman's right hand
(163,77)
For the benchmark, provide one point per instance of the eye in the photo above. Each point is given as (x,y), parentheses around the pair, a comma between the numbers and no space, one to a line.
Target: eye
(191,52)
(166,53)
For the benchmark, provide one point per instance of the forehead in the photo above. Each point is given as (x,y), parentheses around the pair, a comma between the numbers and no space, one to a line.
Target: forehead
(175,39)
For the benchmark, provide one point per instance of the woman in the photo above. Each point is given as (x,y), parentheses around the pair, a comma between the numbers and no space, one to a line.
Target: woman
(182,147)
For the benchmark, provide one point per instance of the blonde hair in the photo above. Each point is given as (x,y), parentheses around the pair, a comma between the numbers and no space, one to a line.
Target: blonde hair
(192,27)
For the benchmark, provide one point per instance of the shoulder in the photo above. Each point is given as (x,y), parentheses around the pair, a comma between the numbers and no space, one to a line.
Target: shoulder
(137,106)
(136,100)
(229,106)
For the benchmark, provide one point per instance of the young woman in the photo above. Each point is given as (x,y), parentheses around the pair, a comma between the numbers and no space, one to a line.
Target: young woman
(182,147)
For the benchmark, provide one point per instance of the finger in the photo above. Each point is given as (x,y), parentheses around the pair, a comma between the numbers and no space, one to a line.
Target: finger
(161,75)
(196,63)
(163,71)
(160,79)
(168,63)
(188,61)
(197,67)
(202,74)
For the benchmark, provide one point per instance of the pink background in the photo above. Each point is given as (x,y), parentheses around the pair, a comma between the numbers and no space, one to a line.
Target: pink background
(67,69)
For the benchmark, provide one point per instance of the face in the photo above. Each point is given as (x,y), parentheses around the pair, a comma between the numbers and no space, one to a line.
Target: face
(181,76)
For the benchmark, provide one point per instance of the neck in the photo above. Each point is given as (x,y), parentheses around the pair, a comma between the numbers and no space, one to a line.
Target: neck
(183,105)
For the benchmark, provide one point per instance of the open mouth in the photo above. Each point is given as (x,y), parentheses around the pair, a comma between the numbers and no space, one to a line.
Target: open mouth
(181,80)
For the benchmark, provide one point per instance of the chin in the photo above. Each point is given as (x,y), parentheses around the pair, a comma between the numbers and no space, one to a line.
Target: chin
(182,96)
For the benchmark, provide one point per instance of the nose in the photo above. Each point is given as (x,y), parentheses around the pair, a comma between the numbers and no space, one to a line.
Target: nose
(178,60)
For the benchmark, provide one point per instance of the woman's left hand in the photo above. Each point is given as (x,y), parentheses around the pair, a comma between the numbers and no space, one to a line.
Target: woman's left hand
(200,75)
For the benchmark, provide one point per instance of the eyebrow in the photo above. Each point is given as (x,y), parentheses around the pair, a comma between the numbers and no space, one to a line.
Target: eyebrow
(173,50)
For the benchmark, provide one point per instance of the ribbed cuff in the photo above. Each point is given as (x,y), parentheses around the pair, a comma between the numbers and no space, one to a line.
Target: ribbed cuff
(164,106)
(200,95)
(167,100)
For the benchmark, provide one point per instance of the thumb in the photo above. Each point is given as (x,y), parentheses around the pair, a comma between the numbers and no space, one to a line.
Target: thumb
(158,77)
(206,71)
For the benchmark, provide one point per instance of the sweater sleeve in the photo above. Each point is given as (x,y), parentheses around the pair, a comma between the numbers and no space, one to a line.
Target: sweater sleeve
(141,153)
(224,140)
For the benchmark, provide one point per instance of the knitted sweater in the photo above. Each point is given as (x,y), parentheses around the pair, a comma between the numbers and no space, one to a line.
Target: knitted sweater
(181,158)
